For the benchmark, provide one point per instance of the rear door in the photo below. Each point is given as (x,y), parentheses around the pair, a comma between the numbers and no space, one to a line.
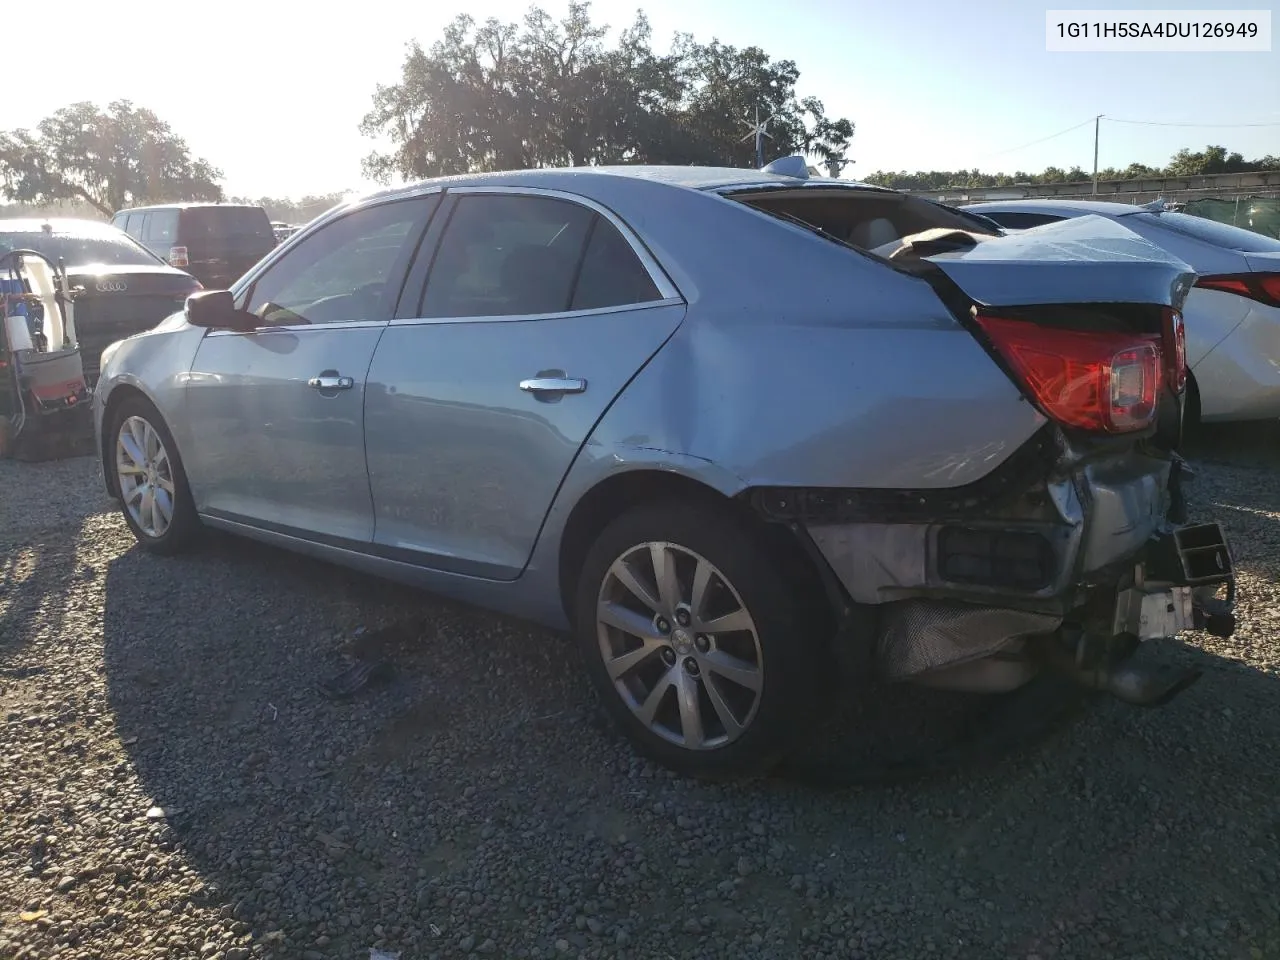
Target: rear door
(538,308)
(275,417)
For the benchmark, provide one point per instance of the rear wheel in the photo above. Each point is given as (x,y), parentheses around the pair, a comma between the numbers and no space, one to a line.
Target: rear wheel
(154,496)
(696,641)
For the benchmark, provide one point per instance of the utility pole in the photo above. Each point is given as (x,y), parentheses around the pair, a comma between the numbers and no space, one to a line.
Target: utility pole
(1095,153)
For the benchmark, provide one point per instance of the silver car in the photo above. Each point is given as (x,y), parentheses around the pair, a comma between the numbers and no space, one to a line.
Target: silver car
(689,415)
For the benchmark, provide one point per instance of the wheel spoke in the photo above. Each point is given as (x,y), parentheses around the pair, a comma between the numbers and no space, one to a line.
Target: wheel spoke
(649,709)
(664,575)
(147,509)
(732,669)
(628,621)
(129,444)
(631,659)
(731,726)
(127,468)
(701,580)
(690,710)
(134,496)
(164,503)
(627,577)
(162,461)
(733,622)
(166,485)
(152,441)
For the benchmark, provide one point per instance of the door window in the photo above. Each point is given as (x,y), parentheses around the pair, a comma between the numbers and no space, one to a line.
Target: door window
(612,275)
(160,227)
(348,270)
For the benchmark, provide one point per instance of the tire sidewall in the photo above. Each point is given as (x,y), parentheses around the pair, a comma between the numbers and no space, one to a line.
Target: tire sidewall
(792,656)
(182,526)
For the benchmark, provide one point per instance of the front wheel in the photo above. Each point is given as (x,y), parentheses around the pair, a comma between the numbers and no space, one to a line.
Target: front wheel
(154,496)
(697,642)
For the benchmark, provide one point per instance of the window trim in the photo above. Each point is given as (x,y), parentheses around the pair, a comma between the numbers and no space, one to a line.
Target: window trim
(669,294)
(248,282)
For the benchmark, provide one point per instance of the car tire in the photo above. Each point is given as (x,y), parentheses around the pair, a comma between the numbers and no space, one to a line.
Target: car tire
(162,480)
(714,669)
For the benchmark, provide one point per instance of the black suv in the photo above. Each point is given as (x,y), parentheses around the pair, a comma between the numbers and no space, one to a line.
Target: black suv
(214,242)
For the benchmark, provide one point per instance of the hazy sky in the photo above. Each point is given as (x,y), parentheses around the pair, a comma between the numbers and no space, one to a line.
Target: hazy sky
(272,92)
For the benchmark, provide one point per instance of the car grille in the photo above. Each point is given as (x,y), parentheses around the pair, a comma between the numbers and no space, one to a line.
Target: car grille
(100,321)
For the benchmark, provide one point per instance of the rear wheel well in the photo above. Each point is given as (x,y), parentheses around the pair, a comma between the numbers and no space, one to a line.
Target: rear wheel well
(612,497)
(118,396)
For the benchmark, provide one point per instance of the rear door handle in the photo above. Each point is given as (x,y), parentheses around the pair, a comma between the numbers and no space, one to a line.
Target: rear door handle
(325,382)
(553,385)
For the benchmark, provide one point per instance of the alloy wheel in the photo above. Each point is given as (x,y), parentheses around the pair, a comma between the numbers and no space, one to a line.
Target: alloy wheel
(680,646)
(146,476)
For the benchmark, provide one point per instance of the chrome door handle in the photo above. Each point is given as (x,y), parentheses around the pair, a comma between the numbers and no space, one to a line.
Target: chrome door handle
(331,383)
(553,385)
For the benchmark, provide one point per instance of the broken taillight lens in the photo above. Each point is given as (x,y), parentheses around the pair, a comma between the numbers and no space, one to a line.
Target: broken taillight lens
(1102,382)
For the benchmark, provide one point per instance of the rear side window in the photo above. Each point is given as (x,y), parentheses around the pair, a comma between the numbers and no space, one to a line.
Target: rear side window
(516,255)
(612,275)
(1019,221)
(1211,231)
(162,227)
(507,255)
(226,223)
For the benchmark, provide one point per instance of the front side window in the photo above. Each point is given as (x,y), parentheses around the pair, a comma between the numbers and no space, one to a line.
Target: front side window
(341,272)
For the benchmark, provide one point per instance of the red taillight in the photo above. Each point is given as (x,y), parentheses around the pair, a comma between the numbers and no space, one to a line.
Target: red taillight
(1262,287)
(178,256)
(1104,382)
(1175,350)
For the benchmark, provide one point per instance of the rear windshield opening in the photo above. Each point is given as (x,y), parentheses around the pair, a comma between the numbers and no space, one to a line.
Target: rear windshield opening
(863,218)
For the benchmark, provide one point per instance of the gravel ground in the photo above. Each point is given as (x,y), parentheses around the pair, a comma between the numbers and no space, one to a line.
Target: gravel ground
(174,786)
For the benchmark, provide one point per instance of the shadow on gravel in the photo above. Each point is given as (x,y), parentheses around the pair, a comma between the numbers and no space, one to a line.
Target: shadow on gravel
(41,516)
(478,802)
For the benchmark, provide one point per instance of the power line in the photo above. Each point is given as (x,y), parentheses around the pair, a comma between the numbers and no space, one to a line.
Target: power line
(1158,123)
(1043,139)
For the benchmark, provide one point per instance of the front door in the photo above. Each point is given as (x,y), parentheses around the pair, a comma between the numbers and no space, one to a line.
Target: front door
(276,416)
(536,312)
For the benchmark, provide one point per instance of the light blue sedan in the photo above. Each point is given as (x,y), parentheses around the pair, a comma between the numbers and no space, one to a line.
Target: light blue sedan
(688,414)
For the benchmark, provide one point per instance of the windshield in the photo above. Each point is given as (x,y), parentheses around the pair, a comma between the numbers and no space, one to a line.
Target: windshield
(77,250)
(1211,231)
(225,223)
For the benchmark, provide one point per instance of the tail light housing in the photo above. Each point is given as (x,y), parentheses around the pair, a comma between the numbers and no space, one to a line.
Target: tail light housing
(1175,350)
(1262,287)
(178,256)
(1100,382)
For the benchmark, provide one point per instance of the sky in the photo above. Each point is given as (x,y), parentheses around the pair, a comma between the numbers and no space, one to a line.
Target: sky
(273,92)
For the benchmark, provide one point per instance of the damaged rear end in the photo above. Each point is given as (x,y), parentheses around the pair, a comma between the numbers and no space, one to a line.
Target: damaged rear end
(1075,549)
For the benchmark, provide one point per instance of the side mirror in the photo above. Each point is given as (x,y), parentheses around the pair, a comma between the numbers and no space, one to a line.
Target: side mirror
(217,309)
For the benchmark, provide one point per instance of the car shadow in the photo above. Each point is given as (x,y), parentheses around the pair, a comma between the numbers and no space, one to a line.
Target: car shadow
(485,756)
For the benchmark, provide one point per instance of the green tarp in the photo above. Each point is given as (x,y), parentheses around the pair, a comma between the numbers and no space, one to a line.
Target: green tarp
(1259,214)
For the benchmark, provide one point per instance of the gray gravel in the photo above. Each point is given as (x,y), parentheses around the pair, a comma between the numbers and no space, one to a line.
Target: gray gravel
(171,784)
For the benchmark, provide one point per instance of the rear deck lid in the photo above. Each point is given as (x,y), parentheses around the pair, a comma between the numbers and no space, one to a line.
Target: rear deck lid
(1081,260)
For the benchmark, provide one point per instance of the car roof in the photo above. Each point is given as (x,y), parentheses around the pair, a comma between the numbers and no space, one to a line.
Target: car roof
(194,204)
(71,225)
(1106,208)
(689,177)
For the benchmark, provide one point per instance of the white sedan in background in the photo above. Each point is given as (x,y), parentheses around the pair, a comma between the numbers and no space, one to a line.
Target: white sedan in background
(1232,317)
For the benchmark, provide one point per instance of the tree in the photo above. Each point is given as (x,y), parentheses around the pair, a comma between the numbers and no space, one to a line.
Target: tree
(110,159)
(547,93)
(1184,163)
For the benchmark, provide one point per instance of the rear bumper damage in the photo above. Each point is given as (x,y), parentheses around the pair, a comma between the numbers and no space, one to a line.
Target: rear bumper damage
(1059,560)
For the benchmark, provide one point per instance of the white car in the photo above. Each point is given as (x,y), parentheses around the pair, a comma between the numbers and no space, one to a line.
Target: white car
(1232,317)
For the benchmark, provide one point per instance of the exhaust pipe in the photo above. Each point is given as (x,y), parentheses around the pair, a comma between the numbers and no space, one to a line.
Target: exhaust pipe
(1139,684)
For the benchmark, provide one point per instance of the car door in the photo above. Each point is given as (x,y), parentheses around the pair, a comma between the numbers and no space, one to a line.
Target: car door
(275,416)
(537,309)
